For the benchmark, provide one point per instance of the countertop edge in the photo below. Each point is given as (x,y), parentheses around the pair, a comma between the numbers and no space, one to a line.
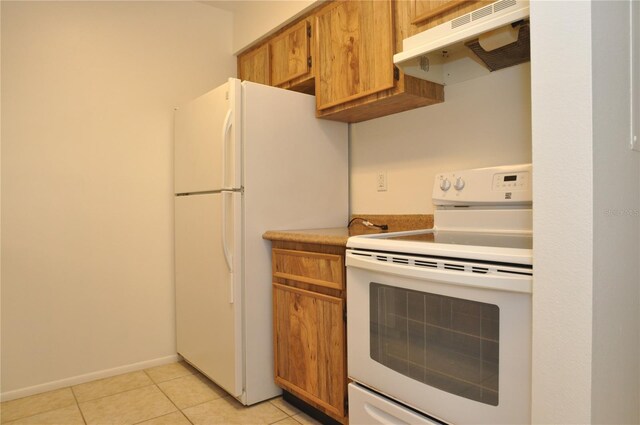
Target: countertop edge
(293,236)
(338,236)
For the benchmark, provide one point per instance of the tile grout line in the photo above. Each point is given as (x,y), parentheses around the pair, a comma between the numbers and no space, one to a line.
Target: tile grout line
(167,396)
(171,379)
(182,410)
(78,406)
(172,402)
(111,377)
(282,410)
(77,403)
(118,393)
(152,382)
(39,413)
(166,414)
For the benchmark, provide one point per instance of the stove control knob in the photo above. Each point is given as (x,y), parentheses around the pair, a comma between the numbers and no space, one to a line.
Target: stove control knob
(445,185)
(459,184)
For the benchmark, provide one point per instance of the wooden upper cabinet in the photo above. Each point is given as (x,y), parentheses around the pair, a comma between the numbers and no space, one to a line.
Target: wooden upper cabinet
(342,51)
(426,9)
(254,65)
(290,54)
(435,12)
(354,51)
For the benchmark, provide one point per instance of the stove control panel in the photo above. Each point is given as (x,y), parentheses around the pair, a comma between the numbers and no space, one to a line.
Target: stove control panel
(509,184)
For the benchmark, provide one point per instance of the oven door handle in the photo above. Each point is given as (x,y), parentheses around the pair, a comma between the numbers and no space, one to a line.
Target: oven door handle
(510,282)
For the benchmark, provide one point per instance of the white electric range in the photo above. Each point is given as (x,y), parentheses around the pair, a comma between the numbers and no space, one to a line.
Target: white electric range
(439,320)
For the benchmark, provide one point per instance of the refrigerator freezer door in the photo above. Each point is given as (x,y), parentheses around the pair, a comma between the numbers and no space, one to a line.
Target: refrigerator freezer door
(207,311)
(207,157)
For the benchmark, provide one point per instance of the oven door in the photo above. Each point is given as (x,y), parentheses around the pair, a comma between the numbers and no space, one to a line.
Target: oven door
(449,338)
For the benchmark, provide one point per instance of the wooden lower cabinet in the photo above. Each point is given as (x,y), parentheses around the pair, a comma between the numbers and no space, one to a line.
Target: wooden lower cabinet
(309,332)
(309,326)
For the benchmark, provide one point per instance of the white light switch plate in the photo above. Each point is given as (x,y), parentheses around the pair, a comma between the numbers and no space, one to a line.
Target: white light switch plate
(381,182)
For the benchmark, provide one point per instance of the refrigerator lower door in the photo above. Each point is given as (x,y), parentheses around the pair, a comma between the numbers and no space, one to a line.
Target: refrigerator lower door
(208,298)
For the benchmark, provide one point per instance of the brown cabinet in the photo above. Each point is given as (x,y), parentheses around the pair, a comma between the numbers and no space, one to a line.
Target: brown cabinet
(290,54)
(429,13)
(354,52)
(309,325)
(426,9)
(254,65)
(355,78)
(282,61)
(342,51)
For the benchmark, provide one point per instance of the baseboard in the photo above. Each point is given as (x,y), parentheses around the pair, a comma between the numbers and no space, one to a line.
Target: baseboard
(81,379)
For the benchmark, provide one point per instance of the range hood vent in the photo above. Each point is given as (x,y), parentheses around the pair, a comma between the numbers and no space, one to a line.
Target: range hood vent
(508,55)
(497,33)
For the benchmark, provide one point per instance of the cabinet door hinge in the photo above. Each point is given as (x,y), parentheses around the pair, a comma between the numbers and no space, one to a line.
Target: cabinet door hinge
(309,61)
(309,31)
(396,73)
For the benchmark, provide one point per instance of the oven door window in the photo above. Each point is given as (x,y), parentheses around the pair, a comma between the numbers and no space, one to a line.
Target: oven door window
(448,343)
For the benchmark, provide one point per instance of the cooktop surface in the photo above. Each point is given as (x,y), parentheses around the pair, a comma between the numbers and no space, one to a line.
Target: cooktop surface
(514,248)
(498,240)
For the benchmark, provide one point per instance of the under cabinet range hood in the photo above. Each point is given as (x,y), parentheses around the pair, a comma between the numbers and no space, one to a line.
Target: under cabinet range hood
(493,37)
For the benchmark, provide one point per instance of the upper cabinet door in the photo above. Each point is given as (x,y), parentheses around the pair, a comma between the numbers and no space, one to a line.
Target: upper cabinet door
(254,65)
(439,11)
(426,9)
(290,54)
(354,51)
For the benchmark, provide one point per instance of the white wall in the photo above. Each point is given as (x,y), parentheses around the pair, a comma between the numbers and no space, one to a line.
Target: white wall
(586,297)
(87,209)
(483,122)
(616,216)
(563,212)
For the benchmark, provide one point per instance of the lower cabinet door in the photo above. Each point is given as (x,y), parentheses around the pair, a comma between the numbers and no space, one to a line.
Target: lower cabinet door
(309,334)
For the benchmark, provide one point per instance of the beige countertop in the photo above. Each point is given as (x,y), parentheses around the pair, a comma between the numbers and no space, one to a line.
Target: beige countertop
(338,235)
(332,236)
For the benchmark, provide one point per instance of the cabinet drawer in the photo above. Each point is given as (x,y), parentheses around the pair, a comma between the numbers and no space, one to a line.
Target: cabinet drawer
(309,267)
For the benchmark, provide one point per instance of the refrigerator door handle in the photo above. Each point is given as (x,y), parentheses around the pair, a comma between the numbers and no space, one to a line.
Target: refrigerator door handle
(226,127)
(225,245)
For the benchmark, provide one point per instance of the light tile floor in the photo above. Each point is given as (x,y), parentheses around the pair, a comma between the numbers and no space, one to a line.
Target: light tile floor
(173,394)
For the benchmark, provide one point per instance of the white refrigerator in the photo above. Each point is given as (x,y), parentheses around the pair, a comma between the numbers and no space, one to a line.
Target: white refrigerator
(248,158)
